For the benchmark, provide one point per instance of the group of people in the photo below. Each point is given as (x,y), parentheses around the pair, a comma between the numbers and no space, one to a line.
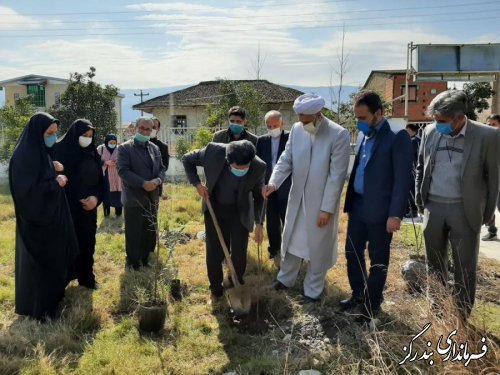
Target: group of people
(451,177)
(57,186)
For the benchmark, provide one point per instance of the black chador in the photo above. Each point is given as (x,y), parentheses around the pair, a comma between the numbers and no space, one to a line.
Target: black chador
(46,244)
(82,167)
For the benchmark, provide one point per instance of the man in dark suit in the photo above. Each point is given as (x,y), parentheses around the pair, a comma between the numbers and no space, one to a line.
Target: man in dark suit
(165,157)
(234,179)
(142,172)
(376,201)
(237,128)
(412,130)
(269,149)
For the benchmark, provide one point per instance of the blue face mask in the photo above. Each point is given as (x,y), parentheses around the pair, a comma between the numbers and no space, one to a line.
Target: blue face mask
(444,127)
(111,146)
(364,127)
(50,140)
(239,172)
(235,128)
(141,138)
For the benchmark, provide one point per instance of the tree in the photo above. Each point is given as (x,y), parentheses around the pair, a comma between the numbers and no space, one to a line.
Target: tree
(202,137)
(13,120)
(258,64)
(478,94)
(85,98)
(340,71)
(236,93)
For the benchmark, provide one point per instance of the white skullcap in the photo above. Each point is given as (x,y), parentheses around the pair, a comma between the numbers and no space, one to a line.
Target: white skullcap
(308,104)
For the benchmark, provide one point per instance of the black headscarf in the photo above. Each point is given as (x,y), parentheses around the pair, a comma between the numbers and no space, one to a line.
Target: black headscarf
(68,150)
(110,137)
(42,215)
(75,159)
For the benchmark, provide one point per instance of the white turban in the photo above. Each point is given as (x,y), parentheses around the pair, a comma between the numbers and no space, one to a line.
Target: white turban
(308,104)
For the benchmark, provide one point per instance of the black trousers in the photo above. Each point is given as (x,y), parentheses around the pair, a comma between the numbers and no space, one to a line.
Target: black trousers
(367,285)
(275,216)
(236,239)
(85,227)
(140,234)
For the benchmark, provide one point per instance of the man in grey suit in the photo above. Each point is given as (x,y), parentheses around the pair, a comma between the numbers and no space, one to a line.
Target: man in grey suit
(234,178)
(142,172)
(457,188)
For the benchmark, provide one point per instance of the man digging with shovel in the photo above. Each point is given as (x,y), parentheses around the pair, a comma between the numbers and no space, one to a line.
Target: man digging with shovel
(231,195)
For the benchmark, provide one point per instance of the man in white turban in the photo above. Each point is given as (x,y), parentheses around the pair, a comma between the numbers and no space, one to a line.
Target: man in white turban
(317,157)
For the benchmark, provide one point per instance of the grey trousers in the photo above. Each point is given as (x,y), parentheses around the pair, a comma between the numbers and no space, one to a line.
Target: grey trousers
(443,223)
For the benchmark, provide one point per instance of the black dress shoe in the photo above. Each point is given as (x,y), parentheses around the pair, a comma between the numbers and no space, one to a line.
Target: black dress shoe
(278,285)
(350,303)
(307,300)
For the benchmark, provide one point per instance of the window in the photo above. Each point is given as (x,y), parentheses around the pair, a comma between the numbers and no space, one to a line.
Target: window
(57,99)
(412,93)
(17,96)
(434,92)
(37,95)
(179,124)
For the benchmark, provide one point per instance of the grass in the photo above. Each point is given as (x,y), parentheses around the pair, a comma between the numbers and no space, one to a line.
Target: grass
(97,333)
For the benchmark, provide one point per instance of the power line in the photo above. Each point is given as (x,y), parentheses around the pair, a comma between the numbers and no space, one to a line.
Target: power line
(252,30)
(160,23)
(155,10)
(264,15)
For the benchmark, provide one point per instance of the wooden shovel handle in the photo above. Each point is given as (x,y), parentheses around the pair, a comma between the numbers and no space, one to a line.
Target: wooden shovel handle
(229,261)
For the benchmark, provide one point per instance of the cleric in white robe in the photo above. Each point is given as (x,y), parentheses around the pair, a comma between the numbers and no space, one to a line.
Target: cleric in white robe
(317,157)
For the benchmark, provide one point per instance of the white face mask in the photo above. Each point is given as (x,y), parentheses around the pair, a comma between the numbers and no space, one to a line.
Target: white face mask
(84,141)
(275,133)
(312,127)
(154,133)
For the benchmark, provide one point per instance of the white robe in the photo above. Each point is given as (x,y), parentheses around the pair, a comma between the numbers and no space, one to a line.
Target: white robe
(318,172)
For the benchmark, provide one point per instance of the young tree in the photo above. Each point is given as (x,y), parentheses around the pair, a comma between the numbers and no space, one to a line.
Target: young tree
(13,119)
(478,94)
(85,98)
(236,93)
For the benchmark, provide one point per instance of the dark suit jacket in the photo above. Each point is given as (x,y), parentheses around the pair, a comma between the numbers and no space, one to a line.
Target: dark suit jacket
(213,159)
(134,170)
(225,136)
(387,178)
(264,151)
(480,170)
(165,157)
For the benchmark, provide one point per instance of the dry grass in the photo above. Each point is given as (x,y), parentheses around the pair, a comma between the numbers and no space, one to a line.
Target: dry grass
(97,333)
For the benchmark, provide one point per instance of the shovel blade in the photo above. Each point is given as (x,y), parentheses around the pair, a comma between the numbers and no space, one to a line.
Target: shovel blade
(240,300)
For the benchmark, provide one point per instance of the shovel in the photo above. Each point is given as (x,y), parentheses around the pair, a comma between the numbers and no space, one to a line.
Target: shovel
(239,297)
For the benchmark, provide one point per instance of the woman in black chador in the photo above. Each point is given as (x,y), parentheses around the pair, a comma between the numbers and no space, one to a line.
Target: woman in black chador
(76,151)
(46,243)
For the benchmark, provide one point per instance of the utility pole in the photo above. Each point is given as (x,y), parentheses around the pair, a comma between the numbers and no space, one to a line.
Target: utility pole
(141,95)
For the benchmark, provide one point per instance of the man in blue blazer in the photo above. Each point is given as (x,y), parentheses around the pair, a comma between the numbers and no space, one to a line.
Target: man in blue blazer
(376,202)
(269,148)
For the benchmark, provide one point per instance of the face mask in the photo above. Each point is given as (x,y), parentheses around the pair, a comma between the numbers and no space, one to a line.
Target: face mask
(364,127)
(275,133)
(50,140)
(141,138)
(444,128)
(235,128)
(111,145)
(84,141)
(154,133)
(311,128)
(239,172)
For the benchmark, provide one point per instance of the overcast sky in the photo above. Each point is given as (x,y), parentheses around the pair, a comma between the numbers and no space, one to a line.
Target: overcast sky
(144,45)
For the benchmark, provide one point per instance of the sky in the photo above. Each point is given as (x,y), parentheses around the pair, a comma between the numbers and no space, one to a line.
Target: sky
(136,44)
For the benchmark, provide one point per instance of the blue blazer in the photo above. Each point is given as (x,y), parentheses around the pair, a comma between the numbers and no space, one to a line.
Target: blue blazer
(388,176)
